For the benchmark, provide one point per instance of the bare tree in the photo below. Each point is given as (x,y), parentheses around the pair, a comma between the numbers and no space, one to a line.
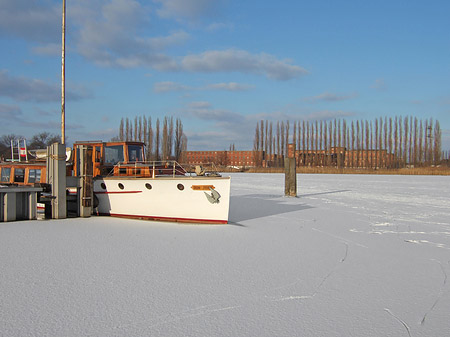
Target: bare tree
(420,146)
(266,137)
(367,144)
(261,136)
(127,130)
(287,137)
(157,140)
(344,141)
(353,144)
(150,140)
(178,139)
(270,141)
(165,139)
(121,136)
(377,150)
(282,139)
(380,140)
(256,145)
(330,134)
(325,144)
(170,137)
(437,143)
(415,138)
(278,144)
(144,125)
(390,140)
(400,161)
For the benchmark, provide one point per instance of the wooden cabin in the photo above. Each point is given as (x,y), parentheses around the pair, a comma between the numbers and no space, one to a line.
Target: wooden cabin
(13,173)
(108,158)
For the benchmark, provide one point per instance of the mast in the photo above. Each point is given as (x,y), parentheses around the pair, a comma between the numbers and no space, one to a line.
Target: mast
(63,75)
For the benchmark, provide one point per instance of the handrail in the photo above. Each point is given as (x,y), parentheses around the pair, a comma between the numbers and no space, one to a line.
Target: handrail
(156,168)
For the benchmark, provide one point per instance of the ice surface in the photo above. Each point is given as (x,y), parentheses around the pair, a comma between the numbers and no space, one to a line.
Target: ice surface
(353,255)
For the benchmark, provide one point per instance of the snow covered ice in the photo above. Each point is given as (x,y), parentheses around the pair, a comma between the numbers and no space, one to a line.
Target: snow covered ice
(353,255)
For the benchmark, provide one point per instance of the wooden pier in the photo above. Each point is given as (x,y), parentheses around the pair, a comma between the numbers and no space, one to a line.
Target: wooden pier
(18,203)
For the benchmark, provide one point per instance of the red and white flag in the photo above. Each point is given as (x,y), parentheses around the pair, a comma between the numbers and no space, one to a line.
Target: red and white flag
(22,152)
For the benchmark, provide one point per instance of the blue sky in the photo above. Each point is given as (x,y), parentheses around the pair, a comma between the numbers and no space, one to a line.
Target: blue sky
(221,65)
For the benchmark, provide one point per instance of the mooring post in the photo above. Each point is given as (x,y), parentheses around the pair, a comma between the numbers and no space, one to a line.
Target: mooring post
(56,176)
(290,173)
(86,172)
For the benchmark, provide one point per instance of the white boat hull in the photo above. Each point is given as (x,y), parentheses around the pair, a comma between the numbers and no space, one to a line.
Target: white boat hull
(180,199)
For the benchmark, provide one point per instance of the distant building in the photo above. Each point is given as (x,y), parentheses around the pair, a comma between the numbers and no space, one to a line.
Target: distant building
(335,156)
(222,158)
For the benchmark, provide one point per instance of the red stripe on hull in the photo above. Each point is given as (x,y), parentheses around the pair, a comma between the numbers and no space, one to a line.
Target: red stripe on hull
(158,218)
(118,192)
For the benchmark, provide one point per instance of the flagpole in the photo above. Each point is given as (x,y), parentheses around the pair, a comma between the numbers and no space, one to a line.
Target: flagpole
(63,75)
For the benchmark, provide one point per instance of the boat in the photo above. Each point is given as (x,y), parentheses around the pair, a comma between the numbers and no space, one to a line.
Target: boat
(125,185)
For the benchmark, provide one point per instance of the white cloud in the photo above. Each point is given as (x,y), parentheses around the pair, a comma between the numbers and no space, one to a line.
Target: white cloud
(9,113)
(109,36)
(231,86)
(169,87)
(242,61)
(50,49)
(219,26)
(330,97)
(379,85)
(184,9)
(35,90)
(30,20)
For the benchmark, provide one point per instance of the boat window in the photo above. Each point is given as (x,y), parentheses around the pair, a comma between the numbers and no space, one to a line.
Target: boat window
(134,153)
(19,175)
(6,173)
(34,176)
(98,155)
(113,154)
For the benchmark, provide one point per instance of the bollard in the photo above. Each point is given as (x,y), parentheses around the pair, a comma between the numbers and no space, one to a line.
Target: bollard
(290,173)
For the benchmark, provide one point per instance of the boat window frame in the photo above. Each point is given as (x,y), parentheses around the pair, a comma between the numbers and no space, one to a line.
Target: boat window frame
(113,158)
(4,175)
(135,150)
(34,175)
(19,177)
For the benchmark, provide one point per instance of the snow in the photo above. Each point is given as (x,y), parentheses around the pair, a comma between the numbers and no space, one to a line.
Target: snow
(353,255)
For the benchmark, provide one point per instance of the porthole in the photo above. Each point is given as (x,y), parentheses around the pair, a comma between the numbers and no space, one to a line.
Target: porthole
(103,186)
(121,186)
(148,186)
(180,187)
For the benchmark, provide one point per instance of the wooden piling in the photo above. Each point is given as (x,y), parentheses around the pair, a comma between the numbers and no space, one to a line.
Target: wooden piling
(290,173)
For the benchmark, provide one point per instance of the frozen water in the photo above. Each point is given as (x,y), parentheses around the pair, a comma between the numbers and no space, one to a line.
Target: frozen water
(353,255)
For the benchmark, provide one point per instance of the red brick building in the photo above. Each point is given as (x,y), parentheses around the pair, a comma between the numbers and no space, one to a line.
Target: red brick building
(223,158)
(336,156)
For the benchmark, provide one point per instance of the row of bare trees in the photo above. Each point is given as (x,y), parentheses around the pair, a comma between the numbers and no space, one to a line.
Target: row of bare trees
(382,142)
(163,141)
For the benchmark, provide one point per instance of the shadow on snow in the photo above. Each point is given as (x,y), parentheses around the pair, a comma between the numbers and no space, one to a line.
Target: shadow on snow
(253,206)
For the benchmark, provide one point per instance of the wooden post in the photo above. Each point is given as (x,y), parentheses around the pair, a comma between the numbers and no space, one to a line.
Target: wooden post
(56,176)
(290,173)
(86,173)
